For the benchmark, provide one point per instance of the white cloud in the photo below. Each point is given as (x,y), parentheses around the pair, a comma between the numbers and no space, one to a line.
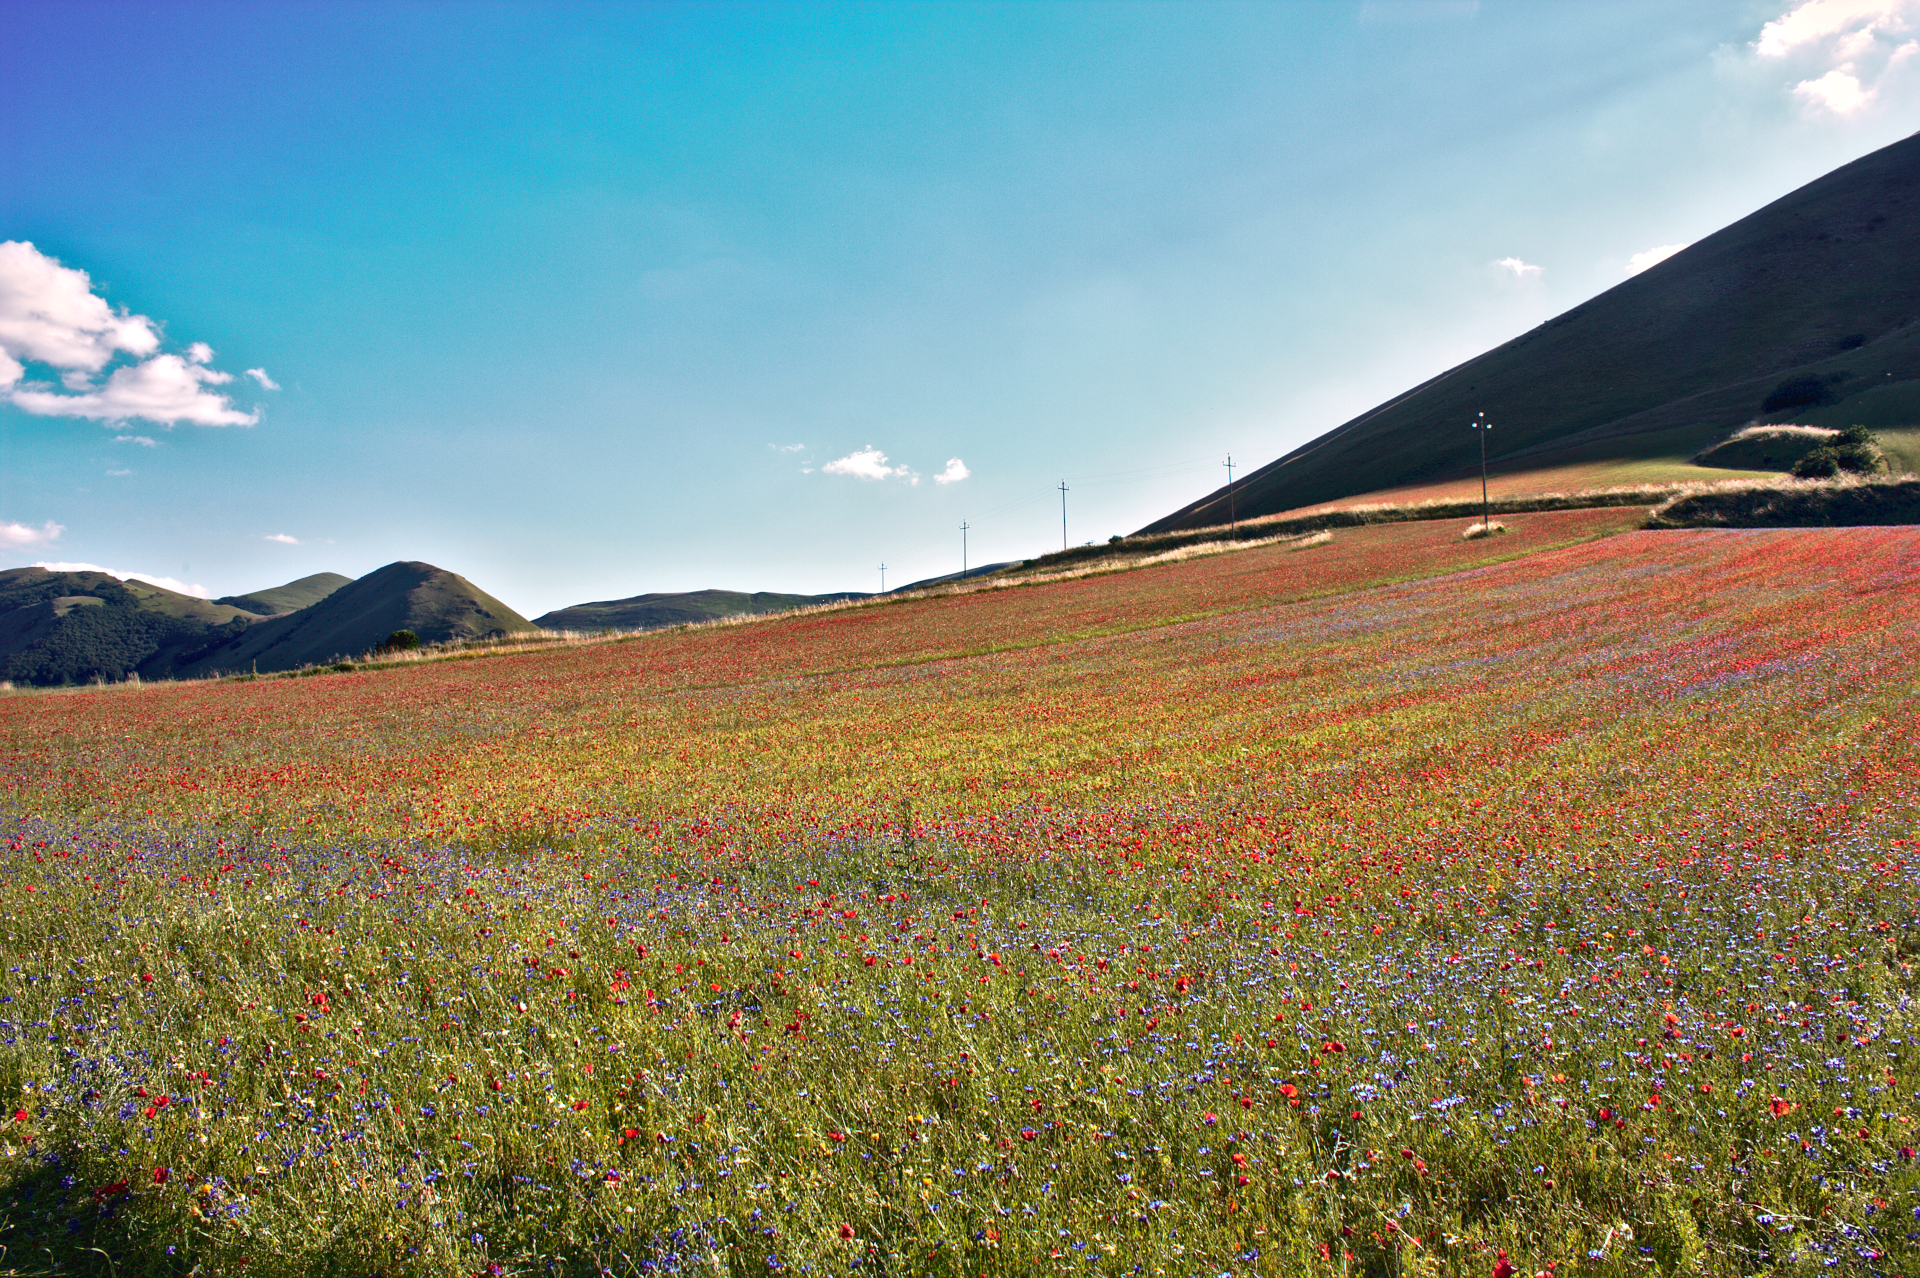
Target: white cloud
(867,463)
(260,375)
(142,440)
(283,539)
(22,537)
(1841,51)
(1642,260)
(1816,22)
(788,448)
(166,389)
(165,583)
(1838,91)
(1521,270)
(121,471)
(955,472)
(50,316)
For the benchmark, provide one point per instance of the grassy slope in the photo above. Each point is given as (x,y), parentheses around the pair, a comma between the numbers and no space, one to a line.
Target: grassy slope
(291,597)
(1692,345)
(656,611)
(435,604)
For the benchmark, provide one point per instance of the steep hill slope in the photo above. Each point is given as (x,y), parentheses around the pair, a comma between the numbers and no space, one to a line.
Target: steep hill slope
(435,604)
(291,597)
(1807,304)
(657,611)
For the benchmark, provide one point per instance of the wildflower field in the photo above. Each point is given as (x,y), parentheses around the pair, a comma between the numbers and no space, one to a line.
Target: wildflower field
(1377,906)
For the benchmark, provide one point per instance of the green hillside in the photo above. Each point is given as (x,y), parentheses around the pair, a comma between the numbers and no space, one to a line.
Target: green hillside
(1803,311)
(291,597)
(437,605)
(656,611)
(72,627)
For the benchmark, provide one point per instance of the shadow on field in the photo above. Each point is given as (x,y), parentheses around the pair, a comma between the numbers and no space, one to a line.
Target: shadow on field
(50,1224)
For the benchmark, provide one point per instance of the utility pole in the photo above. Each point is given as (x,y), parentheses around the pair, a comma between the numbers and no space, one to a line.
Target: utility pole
(1232,513)
(1063,514)
(963,550)
(1481,424)
(883,579)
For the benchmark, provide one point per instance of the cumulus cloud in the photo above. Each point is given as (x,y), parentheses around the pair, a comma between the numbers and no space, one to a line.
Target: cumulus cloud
(1647,257)
(1843,51)
(22,537)
(1521,270)
(142,440)
(49,315)
(866,463)
(283,539)
(165,583)
(260,375)
(955,472)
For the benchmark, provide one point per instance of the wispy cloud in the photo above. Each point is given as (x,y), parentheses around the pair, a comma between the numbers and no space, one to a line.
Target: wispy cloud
(49,315)
(260,375)
(23,537)
(120,471)
(1521,270)
(955,472)
(283,539)
(1647,257)
(1844,52)
(788,448)
(165,583)
(141,440)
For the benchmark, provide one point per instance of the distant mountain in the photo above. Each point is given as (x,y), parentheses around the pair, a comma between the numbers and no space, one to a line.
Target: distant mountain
(1806,306)
(655,611)
(291,597)
(437,605)
(72,627)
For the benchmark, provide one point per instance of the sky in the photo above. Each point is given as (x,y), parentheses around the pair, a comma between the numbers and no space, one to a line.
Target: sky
(583,301)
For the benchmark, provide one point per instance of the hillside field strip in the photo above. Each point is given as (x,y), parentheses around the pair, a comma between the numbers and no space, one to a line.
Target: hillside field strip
(1376,906)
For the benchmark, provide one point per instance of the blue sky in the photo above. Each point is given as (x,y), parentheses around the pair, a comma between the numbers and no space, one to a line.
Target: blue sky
(585,301)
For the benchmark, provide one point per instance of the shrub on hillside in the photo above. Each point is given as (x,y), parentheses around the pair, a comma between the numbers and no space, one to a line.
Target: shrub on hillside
(1795,392)
(1852,451)
(400,641)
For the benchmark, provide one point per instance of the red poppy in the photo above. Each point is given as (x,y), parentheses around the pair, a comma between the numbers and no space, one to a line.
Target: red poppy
(160,1175)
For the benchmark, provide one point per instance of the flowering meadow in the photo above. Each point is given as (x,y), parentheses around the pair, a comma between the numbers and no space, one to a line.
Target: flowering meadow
(1344,909)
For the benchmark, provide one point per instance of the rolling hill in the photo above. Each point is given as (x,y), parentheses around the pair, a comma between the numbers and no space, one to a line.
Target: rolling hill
(291,597)
(658,611)
(1802,311)
(70,627)
(437,605)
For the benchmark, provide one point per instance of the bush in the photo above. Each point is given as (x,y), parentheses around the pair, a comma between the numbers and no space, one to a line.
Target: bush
(1796,392)
(1821,463)
(1852,450)
(400,641)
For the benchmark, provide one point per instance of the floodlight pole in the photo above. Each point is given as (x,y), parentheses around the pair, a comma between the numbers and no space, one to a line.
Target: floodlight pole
(883,579)
(1481,424)
(963,550)
(1063,515)
(1233,514)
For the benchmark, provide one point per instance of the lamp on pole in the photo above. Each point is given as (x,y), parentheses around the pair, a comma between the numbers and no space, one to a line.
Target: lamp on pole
(1233,513)
(1481,424)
